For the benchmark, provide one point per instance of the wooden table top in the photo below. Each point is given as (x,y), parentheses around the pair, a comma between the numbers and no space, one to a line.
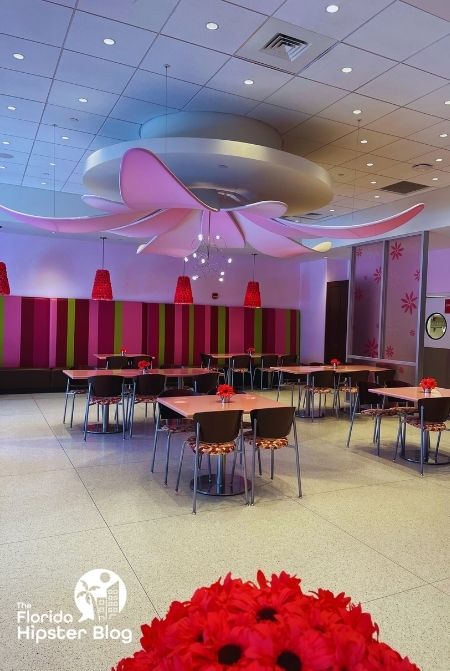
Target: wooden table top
(134,372)
(127,355)
(229,355)
(411,393)
(187,406)
(344,369)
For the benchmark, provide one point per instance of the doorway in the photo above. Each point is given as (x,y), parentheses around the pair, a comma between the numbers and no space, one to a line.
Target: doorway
(336,320)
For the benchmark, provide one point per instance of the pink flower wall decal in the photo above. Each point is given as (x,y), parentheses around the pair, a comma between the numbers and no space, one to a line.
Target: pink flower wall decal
(358,294)
(417,275)
(412,332)
(371,347)
(359,251)
(409,302)
(389,352)
(396,251)
(377,275)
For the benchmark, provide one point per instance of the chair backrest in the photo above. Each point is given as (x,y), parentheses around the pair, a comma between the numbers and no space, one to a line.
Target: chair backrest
(205,383)
(133,361)
(323,378)
(268,360)
(117,362)
(240,361)
(385,376)
(205,360)
(149,384)
(272,422)
(396,401)
(365,396)
(288,359)
(315,363)
(167,413)
(106,385)
(358,376)
(219,427)
(434,409)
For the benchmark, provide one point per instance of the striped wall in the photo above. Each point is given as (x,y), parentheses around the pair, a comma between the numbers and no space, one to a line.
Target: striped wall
(61,332)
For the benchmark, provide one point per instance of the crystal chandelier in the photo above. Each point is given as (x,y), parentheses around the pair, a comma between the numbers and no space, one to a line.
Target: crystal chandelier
(209,259)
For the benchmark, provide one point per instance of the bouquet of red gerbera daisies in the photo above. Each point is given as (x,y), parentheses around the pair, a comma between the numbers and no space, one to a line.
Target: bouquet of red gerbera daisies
(268,626)
(143,365)
(335,362)
(428,383)
(250,350)
(225,391)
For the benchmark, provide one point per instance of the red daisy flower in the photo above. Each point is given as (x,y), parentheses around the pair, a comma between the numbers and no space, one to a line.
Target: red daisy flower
(409,302)
(396,251)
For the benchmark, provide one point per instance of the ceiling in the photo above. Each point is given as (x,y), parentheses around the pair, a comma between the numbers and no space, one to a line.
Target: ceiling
(71,94)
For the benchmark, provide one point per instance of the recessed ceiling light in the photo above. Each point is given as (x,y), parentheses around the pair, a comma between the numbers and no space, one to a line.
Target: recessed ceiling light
(222,272)
(435,179)
(229,260)
(363,141)
(43,183)
(346,70)
(332,9)
(249,82)
(220,279)
(5,142)
(331,210)
(82,100)
(443,135)
(19,57)
(217,237)
(212,25)
(109,41)
(2,167)
(447,102)
(356,111)
(376,196)
(52,163)
(438,160)
(369,165)
(195,277)
(64,137)
(373,182)
(12,108)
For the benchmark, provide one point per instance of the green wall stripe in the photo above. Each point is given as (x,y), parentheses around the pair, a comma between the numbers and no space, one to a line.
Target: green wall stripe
(162,333)
(2,328)
(221,328)
(118,313)
(257,330)
(70,348)
(287,331)
(191,335)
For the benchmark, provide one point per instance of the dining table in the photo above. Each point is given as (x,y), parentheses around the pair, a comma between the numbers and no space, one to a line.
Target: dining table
(413,395)
(220,483)
(102,357)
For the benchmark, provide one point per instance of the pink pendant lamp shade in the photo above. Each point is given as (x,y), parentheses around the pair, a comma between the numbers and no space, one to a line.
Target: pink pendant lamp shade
(4,284)
(102,289)
(252,295)
(183,291)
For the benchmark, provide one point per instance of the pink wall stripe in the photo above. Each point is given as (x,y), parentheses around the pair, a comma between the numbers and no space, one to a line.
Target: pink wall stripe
(178,334)
(52,332)
(93,333)
(280,331)
(236,329)
(132,327)
(13,327)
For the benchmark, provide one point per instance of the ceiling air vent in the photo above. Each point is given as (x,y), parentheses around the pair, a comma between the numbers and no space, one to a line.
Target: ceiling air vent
(285,47)
(403,187)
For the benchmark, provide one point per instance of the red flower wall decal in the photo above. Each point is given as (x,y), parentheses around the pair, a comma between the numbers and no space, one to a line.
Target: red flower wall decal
(371,347)
(417,275)
(396,251)
(412,332)
(389,352)
(359,251)
(377,275)
(409,302)
(358,294)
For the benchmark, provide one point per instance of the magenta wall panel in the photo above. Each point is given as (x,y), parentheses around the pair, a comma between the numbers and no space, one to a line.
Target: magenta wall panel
(366,299)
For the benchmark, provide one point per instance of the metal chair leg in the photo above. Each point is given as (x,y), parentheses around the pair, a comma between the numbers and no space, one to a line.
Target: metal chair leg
(350,429)
(65,404)
(297,458)
(437,447)
(73,408)
(166,470)
(154,443)
(242,443)
(179,466)
(272,463)
(194,495)
(86,417)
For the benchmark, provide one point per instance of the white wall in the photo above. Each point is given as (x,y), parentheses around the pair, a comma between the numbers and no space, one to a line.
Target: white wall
(313,291)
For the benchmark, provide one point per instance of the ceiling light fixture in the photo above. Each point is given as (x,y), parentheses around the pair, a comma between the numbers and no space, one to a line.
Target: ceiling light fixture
(332,9)
(82,100)
(102,289)
(363,141)
(369,165)
(373,182)
(248,82)
(2,167)
(346,70)
(438,160)
(447,102)
(19,57)
(212,25)
(443,135)
(435,179)
(51,163)
(64,137)
(357,111)
(376,196)
(331,210)
(252,295)
(109,41)
(12,108)
(43,183)
(5,142)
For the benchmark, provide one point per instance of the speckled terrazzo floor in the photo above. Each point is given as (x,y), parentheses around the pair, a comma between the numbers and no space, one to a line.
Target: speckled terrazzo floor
(366,526)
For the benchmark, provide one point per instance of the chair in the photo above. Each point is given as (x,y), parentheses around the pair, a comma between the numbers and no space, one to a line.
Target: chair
(215,435)
(375,410)
(117,362)
(289,380)
(240,364)
(321,384)
(206,383)
(385,376)
(133,361)
(74,388)
(267,362)
(350,387)
(271,428)
(170,422)
(104,391)
(146,389)
(432,413)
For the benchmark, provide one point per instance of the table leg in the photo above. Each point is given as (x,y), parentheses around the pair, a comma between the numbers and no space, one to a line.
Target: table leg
(220,483)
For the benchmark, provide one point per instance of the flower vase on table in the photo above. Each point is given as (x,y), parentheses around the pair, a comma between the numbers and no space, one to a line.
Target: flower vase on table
(143,366)
(335,363)
(123,351)
(428,384)
(225,392)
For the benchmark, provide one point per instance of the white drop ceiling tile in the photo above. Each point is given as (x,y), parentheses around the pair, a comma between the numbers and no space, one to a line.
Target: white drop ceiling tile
(402,84)
(320,130)
(311,14)
(365,66)
(371,109)
(340,174)
(356,139)
(72,118)
(439,8)
(18,127)
(236,24)
(267,7)
(434,58)
(24,85)
(401,171)
(15,157)
(87,32)
(59,151)
(366,182)
(94,73)
(306,96)
(187,61)
(279,117)
(339,211)
(137,111)
(41,183)
(152,88)
(29,110)
(67,95)
(210,100)
(403,122)
(382,197)
(434,103)
(73,187)
(332,155)
(99,142)
(66,3)
(11,169)
(122,130)
(432,135)
(435,179)
(6,178)
(40,59)
(360,162)
(232,75)
(402,150)
(148,14)
(54,134)
(35,20)
(14,143)
(431,156)
(303,147)
(398,31)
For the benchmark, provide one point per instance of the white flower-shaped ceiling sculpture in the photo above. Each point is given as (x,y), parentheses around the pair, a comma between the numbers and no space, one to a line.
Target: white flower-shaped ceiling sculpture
(157,206)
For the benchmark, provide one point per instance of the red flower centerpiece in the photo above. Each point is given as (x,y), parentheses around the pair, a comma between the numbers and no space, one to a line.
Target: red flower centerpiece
(335,363)
(143,365)
(428,384)
(225,391)
(269,625)
(123,350)
(250,350)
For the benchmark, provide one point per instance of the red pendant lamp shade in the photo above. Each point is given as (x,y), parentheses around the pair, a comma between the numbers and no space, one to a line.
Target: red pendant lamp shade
(102,289)
(183,291)
(4,284)
(252,295)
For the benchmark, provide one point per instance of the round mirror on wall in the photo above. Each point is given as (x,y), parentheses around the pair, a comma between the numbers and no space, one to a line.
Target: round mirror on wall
(436,326)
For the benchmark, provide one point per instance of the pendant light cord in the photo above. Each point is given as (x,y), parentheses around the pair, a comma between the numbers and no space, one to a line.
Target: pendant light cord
(166,114)
(103,251)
